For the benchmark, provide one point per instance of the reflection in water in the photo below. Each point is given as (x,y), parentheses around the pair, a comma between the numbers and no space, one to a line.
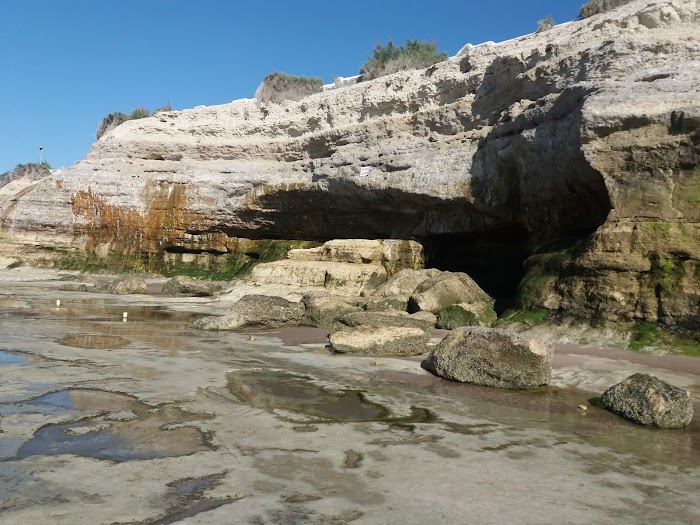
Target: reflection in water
(94,341)
(9,358)
(299,394)
(117,427)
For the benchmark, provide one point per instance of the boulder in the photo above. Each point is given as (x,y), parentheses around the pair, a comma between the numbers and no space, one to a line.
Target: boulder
(380,340)
(492,357)
(381,320)
(183,286)
(255,311)
(382,304)
(322,309)
(73,287)
(647,400)
(446,289)
(403,283)
(128,284)
(464,314)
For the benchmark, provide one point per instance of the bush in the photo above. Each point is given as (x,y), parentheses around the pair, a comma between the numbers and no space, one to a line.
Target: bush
(113,120)
(594,7)
(278,87)
(32,170)
(163,109)
(545,24)
(389,59)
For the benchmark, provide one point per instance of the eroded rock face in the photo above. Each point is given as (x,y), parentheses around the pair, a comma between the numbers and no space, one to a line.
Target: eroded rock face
(403,283)
(648,400)
(586,131)
(492,357)
(255,311)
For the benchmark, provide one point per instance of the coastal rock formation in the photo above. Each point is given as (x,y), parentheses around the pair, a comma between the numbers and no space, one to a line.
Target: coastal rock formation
(648,400)
(492,357)
(575,149)
(447,289)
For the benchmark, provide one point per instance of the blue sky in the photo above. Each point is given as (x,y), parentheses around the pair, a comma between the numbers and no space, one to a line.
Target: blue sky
(65,64)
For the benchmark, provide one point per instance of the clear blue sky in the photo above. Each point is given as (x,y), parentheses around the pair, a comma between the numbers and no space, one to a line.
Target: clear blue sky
(65,64)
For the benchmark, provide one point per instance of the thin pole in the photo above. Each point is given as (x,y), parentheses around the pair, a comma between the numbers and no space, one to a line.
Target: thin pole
(41,154)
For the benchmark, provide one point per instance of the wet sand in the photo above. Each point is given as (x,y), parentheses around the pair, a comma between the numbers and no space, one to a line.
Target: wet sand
(148,421)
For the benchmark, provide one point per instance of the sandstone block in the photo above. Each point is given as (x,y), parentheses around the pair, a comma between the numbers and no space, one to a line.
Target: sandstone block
(128,284)
(323,309)
(380,340)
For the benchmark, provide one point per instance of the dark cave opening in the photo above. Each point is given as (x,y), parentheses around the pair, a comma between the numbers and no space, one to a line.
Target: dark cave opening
(495,260)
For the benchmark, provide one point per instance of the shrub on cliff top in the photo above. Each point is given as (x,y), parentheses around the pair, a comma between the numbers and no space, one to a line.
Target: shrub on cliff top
(278,87)
(594,7)
(545,24)
(388,59)
(32,170)
(113,120)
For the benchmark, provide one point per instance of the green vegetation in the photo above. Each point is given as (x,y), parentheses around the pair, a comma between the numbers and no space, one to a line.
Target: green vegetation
(668,274)
(643,334)
(673,341)
(594,7)
(545,24)
(455,316)
(117,118)
(388,59)
(15,264)
(278,87)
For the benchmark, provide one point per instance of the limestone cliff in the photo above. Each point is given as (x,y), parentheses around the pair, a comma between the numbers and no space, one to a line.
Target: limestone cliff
(577,149)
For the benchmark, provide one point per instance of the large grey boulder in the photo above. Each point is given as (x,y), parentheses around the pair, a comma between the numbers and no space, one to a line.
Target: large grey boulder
(382,320)
(380,340)
(322,309)
(492,357)
(255,311)
(403,283)
(73,287)
(446,289)
(128,284)
(183,286)
(647,400)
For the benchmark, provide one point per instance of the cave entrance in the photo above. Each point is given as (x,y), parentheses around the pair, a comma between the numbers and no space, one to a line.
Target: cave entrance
(495,260)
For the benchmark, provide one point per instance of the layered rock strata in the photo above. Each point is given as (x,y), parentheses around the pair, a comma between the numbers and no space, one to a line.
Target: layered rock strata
(578,145)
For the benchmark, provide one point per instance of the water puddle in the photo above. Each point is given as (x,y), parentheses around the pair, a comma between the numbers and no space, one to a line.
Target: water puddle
(96,341)
(277,390)
(115,427)
(9,358)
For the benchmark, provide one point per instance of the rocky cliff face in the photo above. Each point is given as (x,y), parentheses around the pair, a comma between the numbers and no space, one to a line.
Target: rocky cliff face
(576,149)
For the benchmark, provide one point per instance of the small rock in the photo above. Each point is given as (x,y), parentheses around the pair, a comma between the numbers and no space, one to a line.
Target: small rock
(124,415)
(73,287)
(647,400)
